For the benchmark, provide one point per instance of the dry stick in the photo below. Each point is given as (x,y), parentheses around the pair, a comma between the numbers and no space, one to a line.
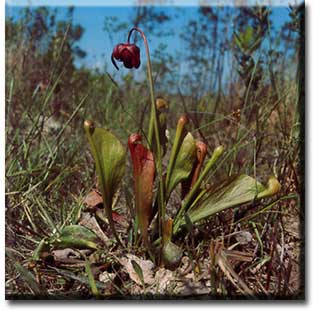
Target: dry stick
(272,250)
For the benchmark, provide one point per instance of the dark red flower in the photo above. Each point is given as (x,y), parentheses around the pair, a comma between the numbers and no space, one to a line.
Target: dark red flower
(128,53)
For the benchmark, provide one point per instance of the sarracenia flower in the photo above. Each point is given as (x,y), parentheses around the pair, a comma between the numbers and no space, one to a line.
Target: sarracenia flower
(127,53)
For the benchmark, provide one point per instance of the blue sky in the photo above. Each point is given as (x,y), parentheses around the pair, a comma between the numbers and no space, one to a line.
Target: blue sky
(139,2)
(96,43)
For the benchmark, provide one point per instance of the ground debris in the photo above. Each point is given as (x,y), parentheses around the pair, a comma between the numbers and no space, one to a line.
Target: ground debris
(145,265)
(193,278)
(89,221)
(244,237)
(107,277)
(93,199)
(65,254)
(164,279)
(183,281)
(70,256)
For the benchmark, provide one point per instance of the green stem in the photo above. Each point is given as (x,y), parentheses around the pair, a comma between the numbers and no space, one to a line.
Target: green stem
(153,128)
(177,141)
(190,196)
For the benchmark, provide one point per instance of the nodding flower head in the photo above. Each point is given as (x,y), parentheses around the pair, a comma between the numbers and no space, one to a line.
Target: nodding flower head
(127,53)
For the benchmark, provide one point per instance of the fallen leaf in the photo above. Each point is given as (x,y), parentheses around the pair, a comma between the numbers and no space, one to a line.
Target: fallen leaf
(65,254)
(93,199)
(189,287)
(117,218)
(244,237)
(68,257)
(185,266)
(188,282)
(120,219)
(163,279)
(90,222)
(138,271)
(107,277)
(145,265)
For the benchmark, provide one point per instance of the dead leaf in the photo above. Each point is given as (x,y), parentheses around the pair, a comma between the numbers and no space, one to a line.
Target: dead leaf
(120,219)
(90,222)
(117,218)
(244,237)
(185,267)
(69,257)
(107,277)
(189,286)
(65,254)
(163,279)
(145,265)
(93,199)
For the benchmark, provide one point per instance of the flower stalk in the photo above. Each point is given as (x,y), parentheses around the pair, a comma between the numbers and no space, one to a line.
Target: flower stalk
(154,130)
